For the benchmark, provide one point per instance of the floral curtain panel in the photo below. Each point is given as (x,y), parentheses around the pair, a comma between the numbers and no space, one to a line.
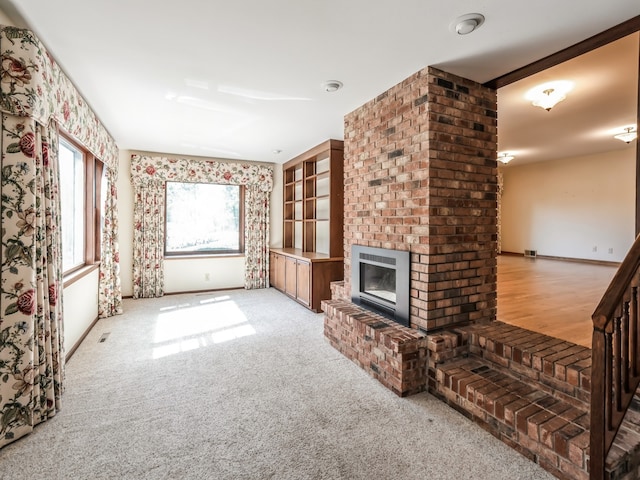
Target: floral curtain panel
(31,331)
(148,240)
(110,290)
(256,238)
(150,172)
(35,97)
(33,85)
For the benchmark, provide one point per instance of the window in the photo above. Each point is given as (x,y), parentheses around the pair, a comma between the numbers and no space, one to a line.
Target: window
(72,205)
(81,178)
(204,218)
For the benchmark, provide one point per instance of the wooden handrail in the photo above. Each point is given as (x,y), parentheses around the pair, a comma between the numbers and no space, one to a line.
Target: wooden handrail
(618,286)
(615,372)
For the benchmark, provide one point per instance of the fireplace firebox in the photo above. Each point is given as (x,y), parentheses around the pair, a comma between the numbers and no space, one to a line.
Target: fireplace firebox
(380,281)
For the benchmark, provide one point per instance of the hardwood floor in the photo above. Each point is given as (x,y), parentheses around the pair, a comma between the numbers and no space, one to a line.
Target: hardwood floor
(553,297)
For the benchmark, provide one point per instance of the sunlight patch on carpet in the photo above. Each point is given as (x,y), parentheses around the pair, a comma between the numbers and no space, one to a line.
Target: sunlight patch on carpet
(208,322)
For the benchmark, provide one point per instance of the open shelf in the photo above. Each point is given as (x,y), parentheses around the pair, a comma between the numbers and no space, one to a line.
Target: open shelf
(313,193)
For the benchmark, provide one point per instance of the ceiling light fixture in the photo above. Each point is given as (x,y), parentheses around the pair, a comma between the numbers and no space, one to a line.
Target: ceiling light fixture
(505,158)
(331,86)
(549,94)
(629,135)
(466,24)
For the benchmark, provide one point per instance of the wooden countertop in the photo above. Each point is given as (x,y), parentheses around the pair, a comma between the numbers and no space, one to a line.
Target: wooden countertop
(307,256)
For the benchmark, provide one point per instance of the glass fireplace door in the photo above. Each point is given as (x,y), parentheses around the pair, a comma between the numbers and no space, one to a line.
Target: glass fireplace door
(378,281)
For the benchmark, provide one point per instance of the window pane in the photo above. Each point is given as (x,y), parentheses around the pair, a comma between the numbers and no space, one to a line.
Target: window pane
(72,205)
(101,185)
(202,218)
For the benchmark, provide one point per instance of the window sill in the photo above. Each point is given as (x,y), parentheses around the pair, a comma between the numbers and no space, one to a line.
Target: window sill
(78,274)
(201,256)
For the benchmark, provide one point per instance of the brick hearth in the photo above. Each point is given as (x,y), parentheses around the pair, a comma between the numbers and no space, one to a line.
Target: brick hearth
(393,354)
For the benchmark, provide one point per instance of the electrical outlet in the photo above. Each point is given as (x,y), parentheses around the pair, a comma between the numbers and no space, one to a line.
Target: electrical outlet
(595,248)
(207,277)
(610,250)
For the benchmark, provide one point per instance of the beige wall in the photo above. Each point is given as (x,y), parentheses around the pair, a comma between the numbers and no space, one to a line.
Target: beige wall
(276,204)
(4,20)
(184,275)
(125,222)
(80,303)
(580,207)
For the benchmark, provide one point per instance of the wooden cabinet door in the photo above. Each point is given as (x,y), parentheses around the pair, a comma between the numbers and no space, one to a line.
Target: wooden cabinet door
(272,269)
(290,280)
(303,271)
(280,273)
(276,271)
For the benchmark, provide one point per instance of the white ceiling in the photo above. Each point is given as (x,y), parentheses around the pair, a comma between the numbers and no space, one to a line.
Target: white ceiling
(240,79)
(602,102)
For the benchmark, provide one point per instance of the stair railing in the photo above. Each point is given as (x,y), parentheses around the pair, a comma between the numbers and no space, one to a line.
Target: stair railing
(615,362)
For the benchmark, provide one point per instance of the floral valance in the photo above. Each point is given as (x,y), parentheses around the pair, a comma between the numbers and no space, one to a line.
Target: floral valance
(33,85)
(146,170)
(149,175)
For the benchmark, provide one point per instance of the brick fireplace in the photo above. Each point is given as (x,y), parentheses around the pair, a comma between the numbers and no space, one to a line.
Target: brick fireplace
(380,281)
(420,175)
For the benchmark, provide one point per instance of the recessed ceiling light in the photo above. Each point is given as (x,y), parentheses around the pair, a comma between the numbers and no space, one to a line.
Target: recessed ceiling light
(332,86)
(466,24)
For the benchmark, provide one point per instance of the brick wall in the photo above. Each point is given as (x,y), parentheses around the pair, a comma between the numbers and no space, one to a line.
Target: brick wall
(421,175)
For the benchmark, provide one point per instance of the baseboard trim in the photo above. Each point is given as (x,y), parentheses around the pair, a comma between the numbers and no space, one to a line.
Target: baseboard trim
(77,344)
(194,291)
(211,290)
(564,259)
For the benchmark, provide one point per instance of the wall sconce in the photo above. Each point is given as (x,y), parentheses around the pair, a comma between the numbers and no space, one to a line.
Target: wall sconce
(629,135)
(548,94)
(505,158)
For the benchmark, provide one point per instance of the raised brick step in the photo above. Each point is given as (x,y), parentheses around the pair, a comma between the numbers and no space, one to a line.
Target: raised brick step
(551,431)
(562,368)
(531,391)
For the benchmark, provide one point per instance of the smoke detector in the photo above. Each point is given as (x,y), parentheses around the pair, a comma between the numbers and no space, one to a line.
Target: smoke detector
(331,86)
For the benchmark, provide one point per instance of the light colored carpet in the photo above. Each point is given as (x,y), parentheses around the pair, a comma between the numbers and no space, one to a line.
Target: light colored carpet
(242,385)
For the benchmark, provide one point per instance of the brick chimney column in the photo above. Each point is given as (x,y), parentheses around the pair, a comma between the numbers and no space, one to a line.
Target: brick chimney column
(421,175)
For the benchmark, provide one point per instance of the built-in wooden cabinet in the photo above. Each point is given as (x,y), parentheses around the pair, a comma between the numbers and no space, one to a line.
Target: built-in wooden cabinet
(312,256)
(304,276)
